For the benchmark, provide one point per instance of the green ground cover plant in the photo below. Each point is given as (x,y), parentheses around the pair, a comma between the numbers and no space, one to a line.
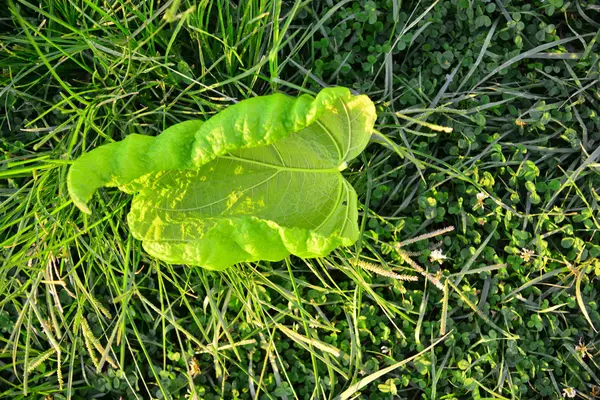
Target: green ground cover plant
(476,265)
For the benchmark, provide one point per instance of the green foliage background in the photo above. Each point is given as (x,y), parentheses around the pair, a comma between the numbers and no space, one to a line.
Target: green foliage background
(517,81)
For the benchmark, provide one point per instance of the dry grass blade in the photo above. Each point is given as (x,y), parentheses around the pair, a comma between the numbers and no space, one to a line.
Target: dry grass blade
(433,127)
(346,394)
(444,318)
(579,297)
(313,342)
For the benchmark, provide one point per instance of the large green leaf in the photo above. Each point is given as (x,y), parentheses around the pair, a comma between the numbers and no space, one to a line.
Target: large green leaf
(258,181)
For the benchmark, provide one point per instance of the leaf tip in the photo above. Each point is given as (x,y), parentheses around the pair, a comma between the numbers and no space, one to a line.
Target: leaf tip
(82,206)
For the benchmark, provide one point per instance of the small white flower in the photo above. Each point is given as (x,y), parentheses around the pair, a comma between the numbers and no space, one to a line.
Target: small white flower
(437,255)
(569,392)
(582,349)
(384,349)
(480,199)
(526,254)
(194,367)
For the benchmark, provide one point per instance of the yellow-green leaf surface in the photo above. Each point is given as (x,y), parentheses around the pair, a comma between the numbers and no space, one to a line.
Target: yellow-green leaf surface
(259,181)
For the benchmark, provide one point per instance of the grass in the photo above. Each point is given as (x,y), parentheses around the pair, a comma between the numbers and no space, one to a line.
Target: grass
(488,122)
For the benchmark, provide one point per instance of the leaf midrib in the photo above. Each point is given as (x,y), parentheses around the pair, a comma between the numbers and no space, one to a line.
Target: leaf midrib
(337,169)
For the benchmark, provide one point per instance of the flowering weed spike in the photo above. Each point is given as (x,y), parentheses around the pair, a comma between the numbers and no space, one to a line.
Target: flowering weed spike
(425,236)
(436,246)
(434,280)
(59,375)
(92,340)
(91,352)
(39,359)
(384,272)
